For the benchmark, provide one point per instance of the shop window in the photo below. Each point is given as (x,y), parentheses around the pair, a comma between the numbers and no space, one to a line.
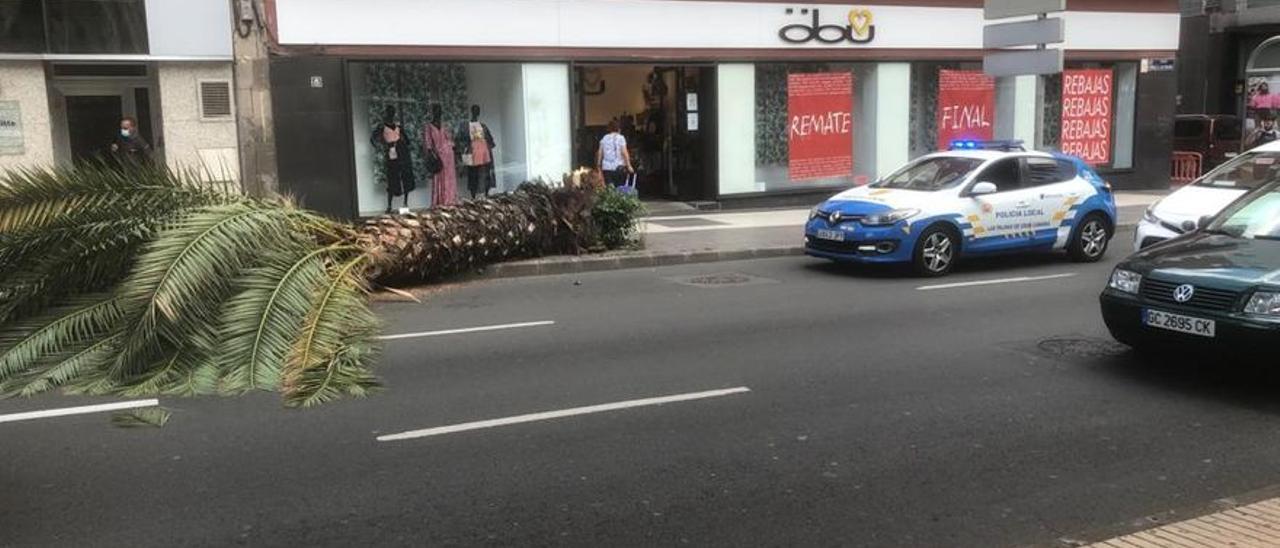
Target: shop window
(22,26)
(501,91)
(925,97)
(96,26)
(814,125)
(1118,132)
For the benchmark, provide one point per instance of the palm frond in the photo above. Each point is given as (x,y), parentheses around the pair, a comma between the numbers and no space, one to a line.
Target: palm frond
(336,346)
(258,324)
(26,343)
(180,279)
(34,198)
(59,371)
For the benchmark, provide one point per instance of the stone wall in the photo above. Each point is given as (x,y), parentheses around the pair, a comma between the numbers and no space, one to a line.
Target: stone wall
(24,82)
(192,142)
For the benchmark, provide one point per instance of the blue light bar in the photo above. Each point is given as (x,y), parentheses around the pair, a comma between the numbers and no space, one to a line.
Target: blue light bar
(1010,145)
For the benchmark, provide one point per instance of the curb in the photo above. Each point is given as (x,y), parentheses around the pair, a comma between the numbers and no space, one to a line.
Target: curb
(599,263)
(551,266)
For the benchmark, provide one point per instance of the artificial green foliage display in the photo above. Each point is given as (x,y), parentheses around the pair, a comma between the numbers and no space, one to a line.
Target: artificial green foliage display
(144,281)
(412,88)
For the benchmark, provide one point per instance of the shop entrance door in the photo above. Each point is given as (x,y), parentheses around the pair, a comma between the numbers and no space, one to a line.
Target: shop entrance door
(666,112)
(92,123)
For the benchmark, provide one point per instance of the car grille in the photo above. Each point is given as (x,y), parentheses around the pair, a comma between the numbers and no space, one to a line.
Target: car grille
(826,216)
(828,246)
(1160,291)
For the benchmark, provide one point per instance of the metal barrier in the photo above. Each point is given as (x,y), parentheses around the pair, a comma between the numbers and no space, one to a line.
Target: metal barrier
(1186,167)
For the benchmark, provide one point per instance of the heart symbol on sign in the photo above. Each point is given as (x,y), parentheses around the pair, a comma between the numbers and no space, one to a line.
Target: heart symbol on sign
(860,21)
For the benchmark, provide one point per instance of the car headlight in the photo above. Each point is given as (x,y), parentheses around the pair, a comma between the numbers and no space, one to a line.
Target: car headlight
(1264,303)
(1125,281)
(813,213)
(889,217)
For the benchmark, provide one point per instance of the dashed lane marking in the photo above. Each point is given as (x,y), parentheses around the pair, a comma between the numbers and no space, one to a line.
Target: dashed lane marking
(464,330)
(549,415)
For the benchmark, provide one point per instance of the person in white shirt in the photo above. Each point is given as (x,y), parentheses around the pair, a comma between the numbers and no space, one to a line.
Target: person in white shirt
(613,158)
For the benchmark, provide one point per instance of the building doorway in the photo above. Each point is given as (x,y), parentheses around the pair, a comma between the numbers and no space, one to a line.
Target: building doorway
(87,102)
(666,112)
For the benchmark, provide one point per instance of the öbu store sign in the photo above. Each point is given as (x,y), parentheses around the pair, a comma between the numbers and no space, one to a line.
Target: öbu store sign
(1086,114)
(820,125)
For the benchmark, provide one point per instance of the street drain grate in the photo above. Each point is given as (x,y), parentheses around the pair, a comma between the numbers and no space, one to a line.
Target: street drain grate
(725,279)
(1082,348)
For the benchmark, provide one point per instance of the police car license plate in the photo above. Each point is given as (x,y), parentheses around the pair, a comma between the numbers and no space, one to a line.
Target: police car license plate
(1182,324)
(833,235)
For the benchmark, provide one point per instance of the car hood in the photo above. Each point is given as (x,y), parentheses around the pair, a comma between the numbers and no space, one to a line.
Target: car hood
(1193,202)
(866,200)
(1213,259)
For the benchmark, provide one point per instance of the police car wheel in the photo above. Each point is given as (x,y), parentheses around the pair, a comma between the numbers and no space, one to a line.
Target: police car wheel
(1091,240)
(935,255)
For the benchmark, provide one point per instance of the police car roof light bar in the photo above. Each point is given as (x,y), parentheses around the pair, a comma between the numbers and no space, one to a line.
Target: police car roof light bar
(1008,145)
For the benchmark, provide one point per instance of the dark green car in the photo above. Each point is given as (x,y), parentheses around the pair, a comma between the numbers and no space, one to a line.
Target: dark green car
(1218,286)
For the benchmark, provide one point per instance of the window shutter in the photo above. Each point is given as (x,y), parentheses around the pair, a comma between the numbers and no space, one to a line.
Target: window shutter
(215,100)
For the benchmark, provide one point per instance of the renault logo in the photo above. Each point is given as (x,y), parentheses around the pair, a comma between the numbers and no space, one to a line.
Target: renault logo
(836,216)
(1184,293)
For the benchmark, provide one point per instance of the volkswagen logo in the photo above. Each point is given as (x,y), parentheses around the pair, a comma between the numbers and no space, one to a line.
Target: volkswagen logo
(1184,293)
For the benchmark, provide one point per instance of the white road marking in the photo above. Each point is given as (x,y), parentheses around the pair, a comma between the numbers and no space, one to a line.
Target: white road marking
(548,415)
(465,330)
(995,282)
(101,408)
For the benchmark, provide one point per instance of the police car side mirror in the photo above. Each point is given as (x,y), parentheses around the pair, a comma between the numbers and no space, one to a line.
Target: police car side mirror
(984,188)
(1189,226)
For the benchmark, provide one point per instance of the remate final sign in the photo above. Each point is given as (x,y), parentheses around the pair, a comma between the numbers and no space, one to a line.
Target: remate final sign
(820,125)
(1086,114)
(966,107)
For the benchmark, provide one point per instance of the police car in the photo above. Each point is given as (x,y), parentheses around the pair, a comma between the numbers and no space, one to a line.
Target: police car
(979,198)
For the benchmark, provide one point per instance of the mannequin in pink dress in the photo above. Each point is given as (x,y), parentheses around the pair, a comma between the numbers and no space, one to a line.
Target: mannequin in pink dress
(444,185)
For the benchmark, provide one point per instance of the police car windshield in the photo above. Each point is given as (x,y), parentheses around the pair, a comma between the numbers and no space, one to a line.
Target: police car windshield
(931,174)
(1245,172)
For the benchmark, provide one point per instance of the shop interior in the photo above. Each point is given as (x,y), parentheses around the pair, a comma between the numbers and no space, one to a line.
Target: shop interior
(667,115)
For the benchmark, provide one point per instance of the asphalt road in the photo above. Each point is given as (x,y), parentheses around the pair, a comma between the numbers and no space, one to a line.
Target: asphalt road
(878,414)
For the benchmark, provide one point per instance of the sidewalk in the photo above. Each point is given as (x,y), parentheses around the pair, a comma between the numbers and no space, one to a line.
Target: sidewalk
(685,238)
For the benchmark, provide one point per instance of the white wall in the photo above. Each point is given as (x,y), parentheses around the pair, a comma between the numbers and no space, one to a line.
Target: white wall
(736,110)
(548,137)
(189,28)
(24,82)
(673,24)
(893,116)
(212,147)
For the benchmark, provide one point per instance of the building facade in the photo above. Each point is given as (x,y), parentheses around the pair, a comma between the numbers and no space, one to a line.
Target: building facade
(731,102)
(1230,58)
(71,69)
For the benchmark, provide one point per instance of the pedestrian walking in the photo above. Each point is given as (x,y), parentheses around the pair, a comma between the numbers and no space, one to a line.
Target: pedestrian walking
(612,157)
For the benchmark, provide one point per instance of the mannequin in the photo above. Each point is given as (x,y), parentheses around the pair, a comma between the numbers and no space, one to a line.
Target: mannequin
(392,143)
(436,138)
(476,145)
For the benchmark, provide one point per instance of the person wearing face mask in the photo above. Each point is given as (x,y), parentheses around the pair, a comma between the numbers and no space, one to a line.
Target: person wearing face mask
(1266,131)
(128,145)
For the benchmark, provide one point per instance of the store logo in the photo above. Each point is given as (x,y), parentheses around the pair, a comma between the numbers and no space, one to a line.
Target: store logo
(860,30)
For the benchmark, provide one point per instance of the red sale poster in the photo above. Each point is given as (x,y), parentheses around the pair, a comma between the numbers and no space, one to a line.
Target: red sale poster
(966,107)
(1086,114)
(820,125)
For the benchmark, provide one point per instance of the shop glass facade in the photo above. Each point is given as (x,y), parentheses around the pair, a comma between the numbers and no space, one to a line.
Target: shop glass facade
(525,106)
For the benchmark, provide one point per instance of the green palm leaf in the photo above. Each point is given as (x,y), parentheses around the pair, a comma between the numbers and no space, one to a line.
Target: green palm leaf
(179,281)
(58,330)
(60,371)
(336,345)
(259,324)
